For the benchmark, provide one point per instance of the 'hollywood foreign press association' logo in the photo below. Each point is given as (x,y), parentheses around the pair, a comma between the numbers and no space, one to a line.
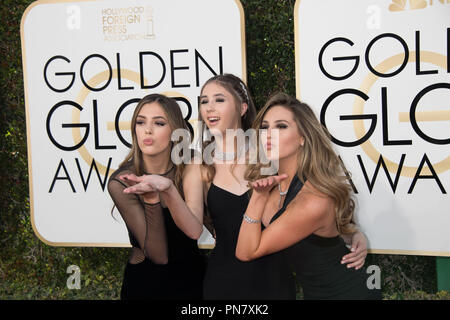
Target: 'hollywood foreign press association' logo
(127,23)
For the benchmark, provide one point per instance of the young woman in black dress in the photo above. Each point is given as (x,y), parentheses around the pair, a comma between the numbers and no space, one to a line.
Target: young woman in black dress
(220,186)
(306,207)
(225,103)
(165,263)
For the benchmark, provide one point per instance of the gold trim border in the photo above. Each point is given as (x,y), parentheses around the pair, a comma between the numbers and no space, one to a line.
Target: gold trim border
(27,118)
(297,86)
(296,49)
(410,252)
(243,43)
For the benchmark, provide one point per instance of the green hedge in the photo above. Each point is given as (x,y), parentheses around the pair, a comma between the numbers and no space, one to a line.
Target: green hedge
(29,269)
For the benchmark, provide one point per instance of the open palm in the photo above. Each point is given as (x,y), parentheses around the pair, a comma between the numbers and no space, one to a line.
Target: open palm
(146,183)
(266,184)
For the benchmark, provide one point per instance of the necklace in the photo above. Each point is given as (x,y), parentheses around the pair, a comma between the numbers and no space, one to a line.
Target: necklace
(228,156)
(224,156)
(162,174)
(282,193)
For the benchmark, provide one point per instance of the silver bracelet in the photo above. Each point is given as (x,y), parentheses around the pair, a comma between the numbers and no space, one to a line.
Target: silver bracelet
(250,220)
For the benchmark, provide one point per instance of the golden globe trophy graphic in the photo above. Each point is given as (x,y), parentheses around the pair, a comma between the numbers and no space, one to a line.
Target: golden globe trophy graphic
(150,34)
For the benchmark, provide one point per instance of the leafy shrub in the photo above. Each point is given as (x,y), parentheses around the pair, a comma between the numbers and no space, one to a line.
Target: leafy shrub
(29,269)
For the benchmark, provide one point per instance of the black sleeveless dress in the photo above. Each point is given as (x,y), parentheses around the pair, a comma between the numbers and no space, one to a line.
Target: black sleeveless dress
(316,262)
(229,278)
(150,228)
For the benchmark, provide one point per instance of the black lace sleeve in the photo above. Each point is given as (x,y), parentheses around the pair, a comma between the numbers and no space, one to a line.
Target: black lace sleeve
(144,221)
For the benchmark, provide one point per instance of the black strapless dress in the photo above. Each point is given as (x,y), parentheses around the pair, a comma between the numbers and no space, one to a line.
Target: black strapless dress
(226,276)
(316,262)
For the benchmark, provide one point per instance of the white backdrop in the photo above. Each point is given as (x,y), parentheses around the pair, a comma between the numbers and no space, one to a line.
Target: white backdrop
(361,47)
(72,52)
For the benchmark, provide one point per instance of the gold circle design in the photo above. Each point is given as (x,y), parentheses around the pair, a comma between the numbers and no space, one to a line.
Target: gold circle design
(84,92)
(358,108)
(93,82)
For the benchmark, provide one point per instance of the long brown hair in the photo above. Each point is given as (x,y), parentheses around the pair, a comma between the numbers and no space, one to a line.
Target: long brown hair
(239,90)
(175,120)
(317,161)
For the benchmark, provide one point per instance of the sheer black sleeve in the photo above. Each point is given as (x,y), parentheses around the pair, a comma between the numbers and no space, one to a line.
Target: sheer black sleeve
(144,221)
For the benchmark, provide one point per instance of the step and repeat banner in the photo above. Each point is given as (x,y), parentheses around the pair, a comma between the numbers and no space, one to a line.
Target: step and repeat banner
(86,65)
(377,74)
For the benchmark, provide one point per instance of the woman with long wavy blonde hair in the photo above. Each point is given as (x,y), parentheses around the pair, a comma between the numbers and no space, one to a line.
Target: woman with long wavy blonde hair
(307,206)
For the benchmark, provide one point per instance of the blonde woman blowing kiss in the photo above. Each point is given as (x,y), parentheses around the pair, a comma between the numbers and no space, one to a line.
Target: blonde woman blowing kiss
(306,207)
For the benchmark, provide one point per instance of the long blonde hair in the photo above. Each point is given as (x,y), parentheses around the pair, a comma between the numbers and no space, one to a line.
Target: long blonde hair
(175,120)
(317,161)
(239,90)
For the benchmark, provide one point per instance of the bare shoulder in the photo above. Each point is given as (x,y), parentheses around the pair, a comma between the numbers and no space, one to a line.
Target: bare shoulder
(192,169)
(313,202)
(203,172)
(194,178)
